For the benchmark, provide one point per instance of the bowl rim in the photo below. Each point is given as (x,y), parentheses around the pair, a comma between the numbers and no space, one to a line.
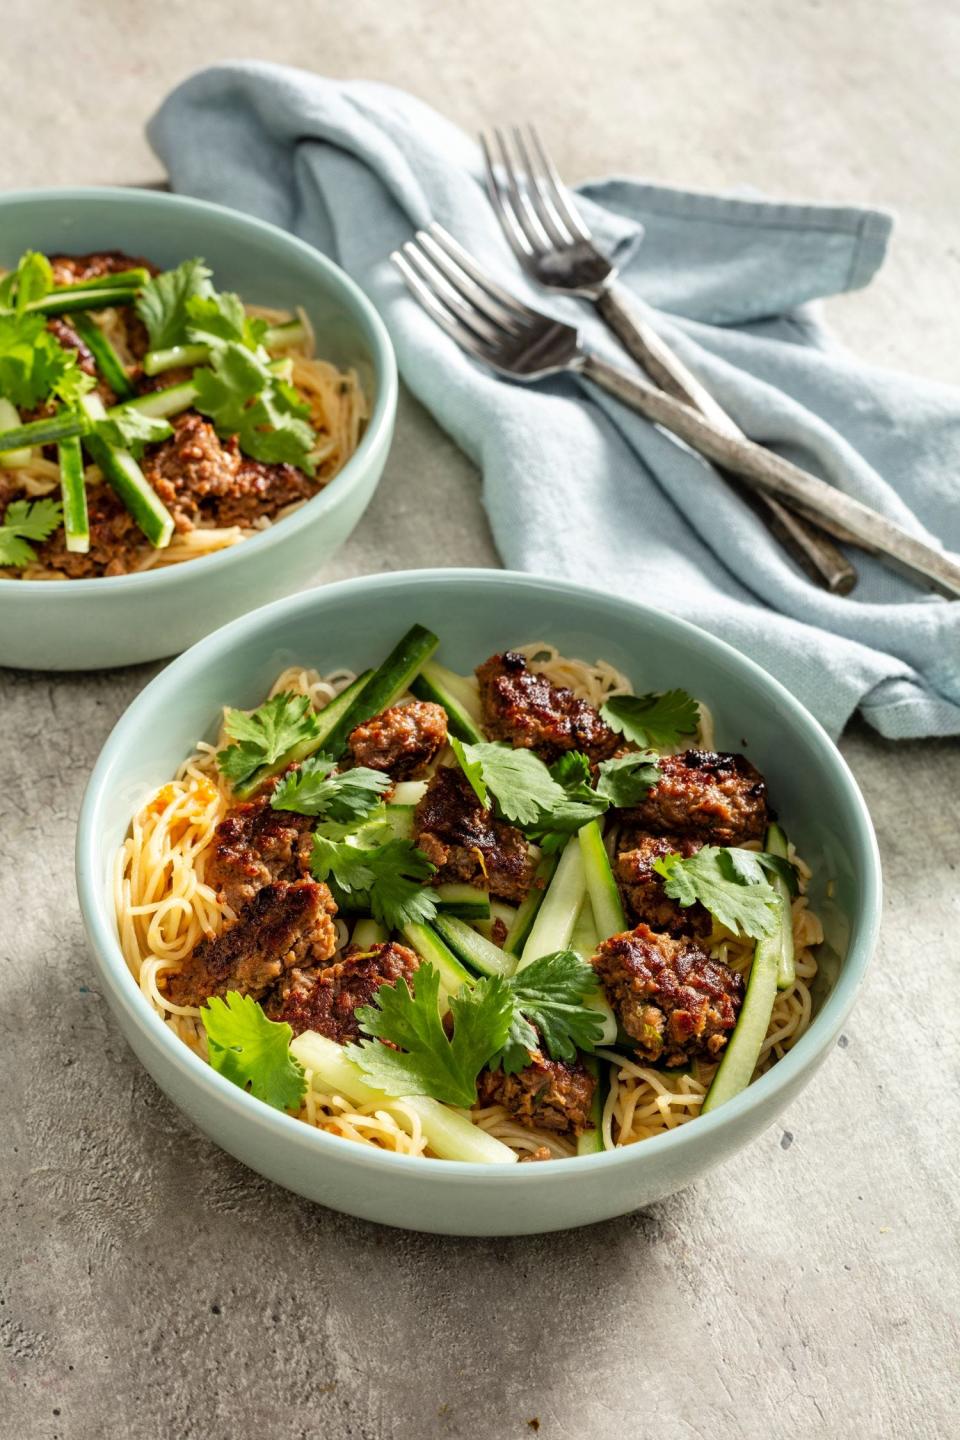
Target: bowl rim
(376,433)
(101,930)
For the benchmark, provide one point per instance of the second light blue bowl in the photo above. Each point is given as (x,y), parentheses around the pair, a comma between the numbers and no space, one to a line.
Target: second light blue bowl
(120,620)
(475,613)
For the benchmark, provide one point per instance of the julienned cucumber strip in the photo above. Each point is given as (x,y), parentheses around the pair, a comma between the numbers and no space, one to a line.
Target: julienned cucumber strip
(125,477)
(743,1048)
(522,924)
(127,279)
(408,792)
(431,948)
(480,954)
(776,843)
(557,915)
(450,1135)
(367,933)
(464,901)
(326,720)
(601,886)
(591,1141)
(69,301)
(444,688)
(386,685)
(585,941)
(76,523)
(160,404)
(47,431)
(10,420)
(106,359)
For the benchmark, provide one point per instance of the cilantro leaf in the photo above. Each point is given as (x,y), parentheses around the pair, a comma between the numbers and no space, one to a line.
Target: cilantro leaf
(752,865)
(33,366)
(32,280)
(473,769)
(130,429)
(243,397)
(625,779)
(252,1051)
(312,790)
(523,786)
(572,771)
(653,720)
(215,318)
(24,522)
(265,734)
(388,879)
(162,303)
(428,1062)
(734,890)
(549,994)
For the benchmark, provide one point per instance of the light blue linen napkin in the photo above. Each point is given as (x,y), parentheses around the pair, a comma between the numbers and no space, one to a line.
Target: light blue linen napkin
(576,486)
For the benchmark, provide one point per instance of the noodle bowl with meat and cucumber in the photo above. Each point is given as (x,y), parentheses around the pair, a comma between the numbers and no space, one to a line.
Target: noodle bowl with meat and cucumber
(524,914)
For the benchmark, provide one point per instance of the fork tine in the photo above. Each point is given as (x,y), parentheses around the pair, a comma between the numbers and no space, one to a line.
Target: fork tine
(450,296)
(560,195)
(470,267)
(508,318)
(538,240)
(500,200)
(438,312)
(540,194)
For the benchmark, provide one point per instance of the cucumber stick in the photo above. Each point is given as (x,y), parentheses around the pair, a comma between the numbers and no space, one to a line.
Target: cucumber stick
(743,1048)
(558,913)
(776,844)
(430,947)
(464,901)
(408,792)
(601,886)
(480,954)
(456,695)
(105,357)
(127,480)
(387,683)
(367,933)
(522,923)
(591,1141)
(328,717)
(73,492)
(10,420)
(585,941)
(450,1135)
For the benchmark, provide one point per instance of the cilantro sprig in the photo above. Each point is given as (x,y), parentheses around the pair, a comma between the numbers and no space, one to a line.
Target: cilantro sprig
(731,883)
(429,1062)
(23,522)
(550,802)
(265,734)
(252,1051)
(653,721)
(497,1021)
(315,790)
(548,994)
(388,880)
(162,303)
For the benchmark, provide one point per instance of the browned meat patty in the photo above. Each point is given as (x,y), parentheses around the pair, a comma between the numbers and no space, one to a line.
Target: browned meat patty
(283,926)
(254,845)
(199,476)
(718,799)
(68,269)
(545,1095)
(642,888)
(530,713)
(116,541)
(670,997)
(401,741)
(466,843)
(327,1000)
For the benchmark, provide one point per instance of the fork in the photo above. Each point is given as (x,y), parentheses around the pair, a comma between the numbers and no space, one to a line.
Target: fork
(554,245)
(513,339)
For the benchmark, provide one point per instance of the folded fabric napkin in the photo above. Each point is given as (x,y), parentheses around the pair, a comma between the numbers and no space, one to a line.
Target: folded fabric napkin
(575,485)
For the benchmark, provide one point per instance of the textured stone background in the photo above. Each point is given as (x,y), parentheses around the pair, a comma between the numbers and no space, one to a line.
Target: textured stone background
(151,1287)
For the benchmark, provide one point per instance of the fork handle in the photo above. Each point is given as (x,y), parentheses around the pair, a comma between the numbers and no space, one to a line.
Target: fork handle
(770,473)
(812,550)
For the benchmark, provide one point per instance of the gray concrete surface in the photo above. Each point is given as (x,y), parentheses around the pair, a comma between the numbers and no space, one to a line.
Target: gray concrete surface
(151,1287)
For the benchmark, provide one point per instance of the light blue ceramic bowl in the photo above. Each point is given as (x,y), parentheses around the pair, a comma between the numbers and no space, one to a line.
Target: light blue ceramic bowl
(120,620)
(476,612)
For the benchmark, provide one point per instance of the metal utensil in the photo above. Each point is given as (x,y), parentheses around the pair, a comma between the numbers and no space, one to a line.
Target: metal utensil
(516,340)
(554,245)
